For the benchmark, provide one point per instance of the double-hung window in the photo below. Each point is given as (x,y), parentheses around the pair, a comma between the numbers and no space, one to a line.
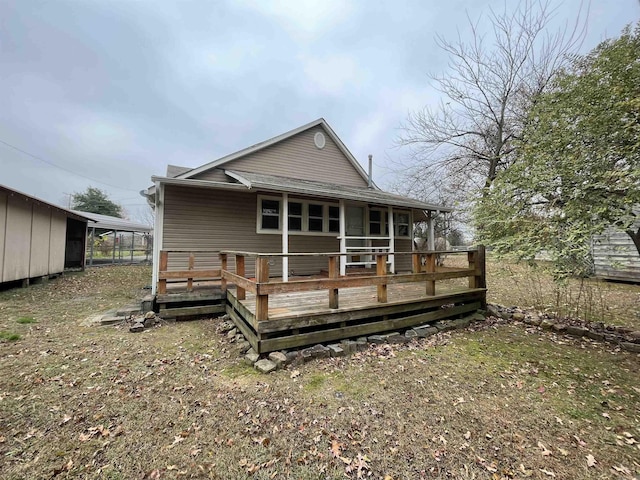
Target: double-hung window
(303,216)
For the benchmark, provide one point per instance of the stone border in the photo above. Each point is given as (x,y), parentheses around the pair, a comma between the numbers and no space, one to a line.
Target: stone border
(277,360)
(626,338)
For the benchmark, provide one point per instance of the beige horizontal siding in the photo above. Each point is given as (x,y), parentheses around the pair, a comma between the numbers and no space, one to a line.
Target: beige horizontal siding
(298,157)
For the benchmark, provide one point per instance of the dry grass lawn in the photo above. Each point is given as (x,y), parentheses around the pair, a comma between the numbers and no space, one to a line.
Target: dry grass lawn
(499,402)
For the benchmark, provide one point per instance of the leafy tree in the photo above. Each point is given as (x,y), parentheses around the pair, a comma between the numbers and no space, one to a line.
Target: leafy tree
(469,138)
(94,200)
(579,170)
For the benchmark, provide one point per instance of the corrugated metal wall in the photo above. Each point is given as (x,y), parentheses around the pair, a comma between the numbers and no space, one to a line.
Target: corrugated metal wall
(615,257)
(297,157)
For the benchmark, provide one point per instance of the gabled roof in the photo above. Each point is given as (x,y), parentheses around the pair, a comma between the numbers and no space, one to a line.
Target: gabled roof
(70,213)
(267,143)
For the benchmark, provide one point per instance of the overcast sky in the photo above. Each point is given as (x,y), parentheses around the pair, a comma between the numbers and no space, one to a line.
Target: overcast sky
(107,93)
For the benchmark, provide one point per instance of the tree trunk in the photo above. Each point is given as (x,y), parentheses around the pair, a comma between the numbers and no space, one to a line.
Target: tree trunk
(635,236)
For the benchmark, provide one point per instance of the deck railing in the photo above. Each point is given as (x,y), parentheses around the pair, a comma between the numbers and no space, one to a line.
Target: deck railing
(191,274)
(423,263)
(423,270)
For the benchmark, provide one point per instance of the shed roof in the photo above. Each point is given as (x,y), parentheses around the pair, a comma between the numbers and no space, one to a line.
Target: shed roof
(70,213)
(114,223)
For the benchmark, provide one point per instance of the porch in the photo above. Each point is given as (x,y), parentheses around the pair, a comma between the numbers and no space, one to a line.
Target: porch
(276,313)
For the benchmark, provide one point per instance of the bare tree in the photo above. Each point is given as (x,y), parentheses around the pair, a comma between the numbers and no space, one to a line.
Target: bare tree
(461,145)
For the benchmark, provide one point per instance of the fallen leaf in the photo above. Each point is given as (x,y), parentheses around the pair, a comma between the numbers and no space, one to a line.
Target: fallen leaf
(541,389)
(548,473)
(591,461)
(467,435)
(336,448)
(563,452)
(545,452)
(294,374)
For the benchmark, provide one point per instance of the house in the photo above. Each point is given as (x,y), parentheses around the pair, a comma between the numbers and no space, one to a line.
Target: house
(38,239)
(289,205)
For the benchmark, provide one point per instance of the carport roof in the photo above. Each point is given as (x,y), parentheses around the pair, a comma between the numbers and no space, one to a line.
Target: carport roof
(107,222)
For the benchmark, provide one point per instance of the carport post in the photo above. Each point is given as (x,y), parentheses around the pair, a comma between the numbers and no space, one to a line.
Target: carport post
(115,236)
(93,239)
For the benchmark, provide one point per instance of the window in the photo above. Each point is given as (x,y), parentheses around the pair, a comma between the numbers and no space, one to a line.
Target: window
(303,217)
(334,219)
(401,223)
(295,216)
(316,217)
(270,214)
(375,222)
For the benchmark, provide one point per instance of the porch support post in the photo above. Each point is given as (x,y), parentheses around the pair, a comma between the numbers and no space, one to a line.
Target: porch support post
(343,239)
(285,236)
(158,223)
(431,241)
(392,241)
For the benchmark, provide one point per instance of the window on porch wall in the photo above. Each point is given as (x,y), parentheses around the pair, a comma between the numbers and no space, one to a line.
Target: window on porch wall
(295,216)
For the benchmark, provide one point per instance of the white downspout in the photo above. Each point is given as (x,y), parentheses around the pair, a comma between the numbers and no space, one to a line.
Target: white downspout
(285,236)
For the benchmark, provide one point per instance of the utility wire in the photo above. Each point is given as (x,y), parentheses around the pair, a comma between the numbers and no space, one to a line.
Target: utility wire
(65,169)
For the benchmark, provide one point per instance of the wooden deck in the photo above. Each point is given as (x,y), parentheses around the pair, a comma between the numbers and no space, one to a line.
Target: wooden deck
(274,314)
(304,318)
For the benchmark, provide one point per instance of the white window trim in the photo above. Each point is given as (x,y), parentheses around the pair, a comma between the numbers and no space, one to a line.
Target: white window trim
(305,217)
(396,224)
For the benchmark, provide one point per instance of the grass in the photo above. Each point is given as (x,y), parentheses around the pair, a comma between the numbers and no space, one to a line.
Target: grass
(26,320)
(499,401)
(11,337)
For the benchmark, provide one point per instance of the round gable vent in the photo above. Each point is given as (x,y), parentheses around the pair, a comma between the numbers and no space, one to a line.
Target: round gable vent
(319,140)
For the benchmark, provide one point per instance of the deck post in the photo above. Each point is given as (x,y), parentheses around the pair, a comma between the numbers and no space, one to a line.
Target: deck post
(164,262)
(381,271)
(262,276)
(477,262)
(242,294)
(416,266)
(431,268)
(223,268)
(333,273)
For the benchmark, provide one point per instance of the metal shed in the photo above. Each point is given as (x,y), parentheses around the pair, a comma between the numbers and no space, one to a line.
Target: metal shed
(38,239)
